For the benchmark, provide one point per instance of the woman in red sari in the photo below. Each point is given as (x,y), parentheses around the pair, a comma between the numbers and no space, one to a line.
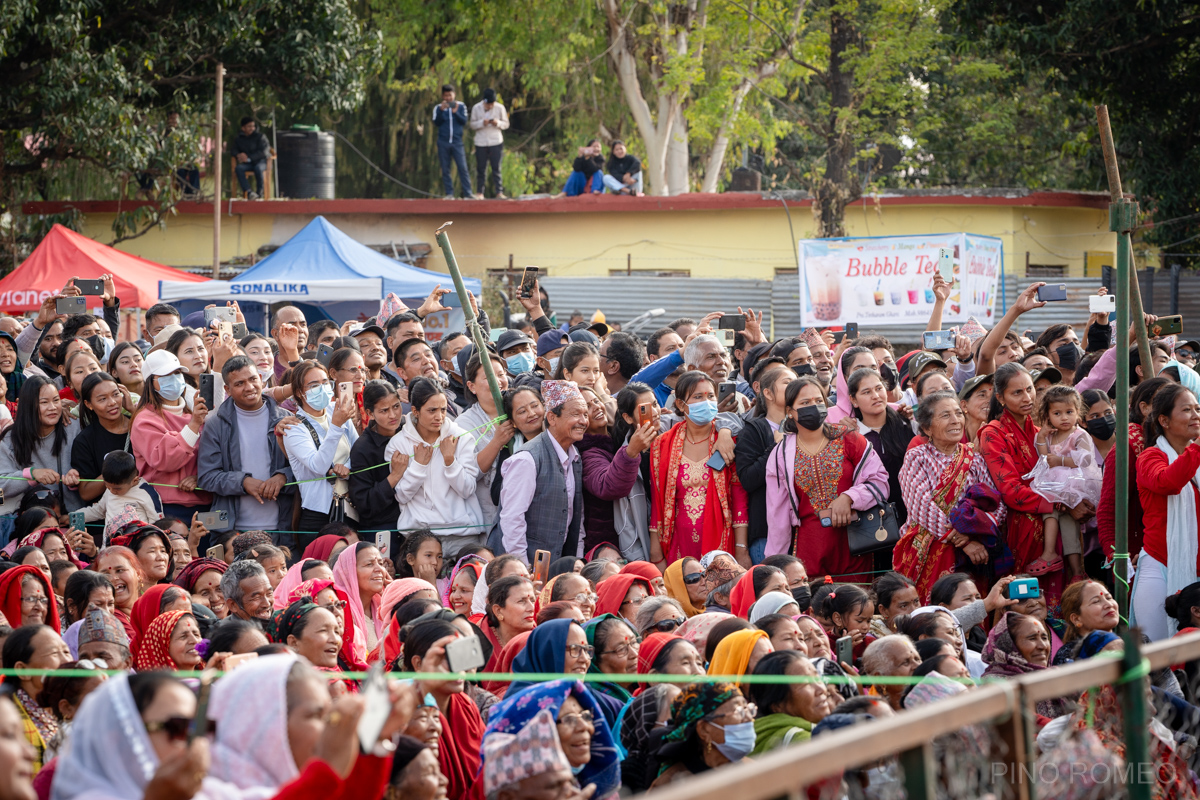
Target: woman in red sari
(935,476)
(1007,446)
(694,508)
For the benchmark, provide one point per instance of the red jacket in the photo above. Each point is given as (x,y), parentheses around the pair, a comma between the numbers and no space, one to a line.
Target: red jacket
(1156,481)
(317,781)
(1106,512)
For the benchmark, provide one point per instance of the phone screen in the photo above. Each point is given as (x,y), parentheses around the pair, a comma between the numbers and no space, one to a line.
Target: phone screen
(378,706)
(528,279)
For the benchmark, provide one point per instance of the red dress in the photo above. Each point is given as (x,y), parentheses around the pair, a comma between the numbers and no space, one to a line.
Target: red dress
(1106,512)
(819,480)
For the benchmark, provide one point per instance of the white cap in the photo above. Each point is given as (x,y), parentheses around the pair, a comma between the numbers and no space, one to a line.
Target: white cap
(160,362)
(166,332)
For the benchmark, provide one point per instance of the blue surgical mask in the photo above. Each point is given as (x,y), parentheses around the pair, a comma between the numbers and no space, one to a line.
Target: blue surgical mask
(553,364)
(519,363)
(319,397)
(171,387)
(739,741)
(703,412)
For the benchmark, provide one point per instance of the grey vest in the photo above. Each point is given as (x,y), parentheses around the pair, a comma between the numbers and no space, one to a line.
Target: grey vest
(546,526)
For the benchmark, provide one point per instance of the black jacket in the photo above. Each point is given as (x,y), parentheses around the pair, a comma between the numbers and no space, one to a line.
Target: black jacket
(255,146)
(373,497)
(751,452)
(588,165)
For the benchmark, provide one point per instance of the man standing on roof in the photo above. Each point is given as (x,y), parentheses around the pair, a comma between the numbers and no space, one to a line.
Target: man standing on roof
(488,120)
(450,117)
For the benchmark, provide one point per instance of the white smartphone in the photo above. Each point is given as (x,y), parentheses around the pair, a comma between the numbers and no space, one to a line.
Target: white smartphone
(464,654)
(1102,303)
(383,540)
(378,707)
(345,388)
(946,264)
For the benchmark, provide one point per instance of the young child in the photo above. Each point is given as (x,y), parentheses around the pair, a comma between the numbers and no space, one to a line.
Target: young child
(1067,473)
(127,498)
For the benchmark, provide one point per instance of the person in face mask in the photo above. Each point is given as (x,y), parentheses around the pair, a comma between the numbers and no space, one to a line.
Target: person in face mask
(319,447)
(164,435)
(517,350)
(710,511)
(811,494)
(711,725)
(1100,420)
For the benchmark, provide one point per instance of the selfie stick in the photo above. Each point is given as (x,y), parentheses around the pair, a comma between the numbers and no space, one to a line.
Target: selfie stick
(472,320)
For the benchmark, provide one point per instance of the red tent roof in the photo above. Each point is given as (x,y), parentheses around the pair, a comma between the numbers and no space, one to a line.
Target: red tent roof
(65,254)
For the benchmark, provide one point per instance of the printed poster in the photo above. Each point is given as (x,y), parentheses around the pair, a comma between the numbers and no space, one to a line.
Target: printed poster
(888,280)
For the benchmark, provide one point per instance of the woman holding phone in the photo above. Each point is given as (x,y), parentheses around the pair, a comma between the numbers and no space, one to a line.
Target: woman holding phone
(319,447)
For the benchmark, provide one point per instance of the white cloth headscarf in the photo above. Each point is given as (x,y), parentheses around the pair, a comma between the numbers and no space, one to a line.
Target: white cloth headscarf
(769,603)
(1181,532)
(249,705)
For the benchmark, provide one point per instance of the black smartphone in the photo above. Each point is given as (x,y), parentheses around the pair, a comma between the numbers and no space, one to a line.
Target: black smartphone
(1165,326)
(851,330)
(725,389)
(732,322)
(87,286)
(70,305)
(1052,293)
(528,279)
(208,389)
(838,336)
(240,331)
(199,723)
(324,352)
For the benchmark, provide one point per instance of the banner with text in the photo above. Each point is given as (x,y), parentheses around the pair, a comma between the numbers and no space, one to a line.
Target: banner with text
(888,280)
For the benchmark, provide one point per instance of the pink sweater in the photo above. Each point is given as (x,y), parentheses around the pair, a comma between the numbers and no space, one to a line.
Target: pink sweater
(164,455)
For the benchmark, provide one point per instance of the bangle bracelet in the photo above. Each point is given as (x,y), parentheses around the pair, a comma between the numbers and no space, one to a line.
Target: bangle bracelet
(742,546)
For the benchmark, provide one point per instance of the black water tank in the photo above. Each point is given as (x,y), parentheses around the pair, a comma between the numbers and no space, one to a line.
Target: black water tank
(306,164)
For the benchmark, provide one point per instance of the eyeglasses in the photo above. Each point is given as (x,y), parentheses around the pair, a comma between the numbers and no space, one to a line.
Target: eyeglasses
(667,625)
(626,647)
(745,713)
(693,579)
(176,728)
(581,650)
(581,720)
(586,599)
(634,603)
(336,605)
(36,601)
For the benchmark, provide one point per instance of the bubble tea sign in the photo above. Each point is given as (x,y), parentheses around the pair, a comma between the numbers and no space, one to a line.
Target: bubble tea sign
(888,280)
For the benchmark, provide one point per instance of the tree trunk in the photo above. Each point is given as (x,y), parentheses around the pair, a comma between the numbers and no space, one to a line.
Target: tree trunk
(678,160)
(834,191)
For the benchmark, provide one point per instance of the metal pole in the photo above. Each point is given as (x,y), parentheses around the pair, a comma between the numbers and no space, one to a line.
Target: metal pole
(1133,703)
(275,167)
(472,321)
(216,272)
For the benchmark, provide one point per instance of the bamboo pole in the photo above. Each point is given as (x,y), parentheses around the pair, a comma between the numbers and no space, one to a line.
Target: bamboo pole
(216,271)
(472,321)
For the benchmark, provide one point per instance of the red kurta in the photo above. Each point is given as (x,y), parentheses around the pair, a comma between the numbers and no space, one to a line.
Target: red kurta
(824,551)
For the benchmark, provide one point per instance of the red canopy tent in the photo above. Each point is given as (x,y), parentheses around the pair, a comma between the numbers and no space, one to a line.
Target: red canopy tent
(65,254)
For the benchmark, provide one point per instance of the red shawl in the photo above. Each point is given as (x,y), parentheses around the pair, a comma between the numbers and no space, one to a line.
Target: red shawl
(459,747)
(717,522)
(145,610)
(10,596)
(611,593)
(509,654)
(643,569)
(321,548)
(493,663)
(742,597)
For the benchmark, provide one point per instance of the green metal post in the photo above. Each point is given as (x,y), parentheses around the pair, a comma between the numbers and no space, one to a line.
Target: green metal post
(472,323)
(1141,770)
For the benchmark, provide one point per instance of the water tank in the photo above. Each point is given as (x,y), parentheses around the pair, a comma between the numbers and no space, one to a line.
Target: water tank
(306,164)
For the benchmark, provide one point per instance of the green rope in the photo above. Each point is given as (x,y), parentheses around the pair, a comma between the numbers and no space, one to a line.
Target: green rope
(1136,673)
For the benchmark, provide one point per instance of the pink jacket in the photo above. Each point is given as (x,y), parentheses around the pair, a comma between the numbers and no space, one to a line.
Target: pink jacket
(164,455)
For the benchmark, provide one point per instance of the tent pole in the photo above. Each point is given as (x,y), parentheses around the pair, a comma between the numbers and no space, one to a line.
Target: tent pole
(472,320)
(217,172)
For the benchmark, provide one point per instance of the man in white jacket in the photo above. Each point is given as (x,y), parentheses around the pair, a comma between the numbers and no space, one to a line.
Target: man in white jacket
(488,119)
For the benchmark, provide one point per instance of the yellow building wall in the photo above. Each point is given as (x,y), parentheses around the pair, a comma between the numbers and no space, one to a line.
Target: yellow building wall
(742,243)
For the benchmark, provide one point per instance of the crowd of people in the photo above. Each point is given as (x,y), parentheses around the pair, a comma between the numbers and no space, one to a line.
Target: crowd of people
(668,516)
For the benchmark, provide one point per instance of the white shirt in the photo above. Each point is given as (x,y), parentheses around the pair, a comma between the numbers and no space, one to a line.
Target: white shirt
(310,463)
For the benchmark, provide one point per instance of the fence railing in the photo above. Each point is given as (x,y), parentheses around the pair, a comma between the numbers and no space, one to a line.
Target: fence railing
(1007,706)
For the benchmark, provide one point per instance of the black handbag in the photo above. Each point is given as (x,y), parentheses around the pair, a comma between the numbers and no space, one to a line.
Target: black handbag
(876,528)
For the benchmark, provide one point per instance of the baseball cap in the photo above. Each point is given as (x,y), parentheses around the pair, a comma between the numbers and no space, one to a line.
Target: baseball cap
(601,329)
(159,363)
(551,340)
(1049,373)
(375,329)
(511,338)
(922,360)
(166,333)
(970,386)
(584,335)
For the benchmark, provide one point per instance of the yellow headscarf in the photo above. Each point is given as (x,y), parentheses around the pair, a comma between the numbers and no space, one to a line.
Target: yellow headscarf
(676,588)
(732,655)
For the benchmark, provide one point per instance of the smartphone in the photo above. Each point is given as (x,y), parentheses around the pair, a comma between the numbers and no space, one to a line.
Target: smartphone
(725,389)
(377,707)
(224,326)
(851,329)
(218,312)
(838,336)
(216,552)
(541,566)
(76,518)
(70,305)
(528,279)
(644,414)
(208,388)
(1102,303)
(727,336)
(345,388)
(324,352)
(1165,326)
(1052,293)
(937,340)
(733,322)
(214,520)
(199,723)
(826,517)
(240,331)
(946,264)
(383,541)
(717,461)
(845,650)
(235,661)
(1024,589)
(93,287)
(465,654)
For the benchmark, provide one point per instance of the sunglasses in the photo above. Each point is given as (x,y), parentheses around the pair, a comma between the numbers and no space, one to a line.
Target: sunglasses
(666,625)
(693,579)
(176,728)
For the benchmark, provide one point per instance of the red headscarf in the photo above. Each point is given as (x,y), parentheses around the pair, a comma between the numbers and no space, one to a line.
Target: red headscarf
(742,597)
(155,652)
(611,593)
(192,571)
(643,569)
(145,610)
(321,548)
(350,645)
(10,596)
(37,537)
(507,655)
(652,645)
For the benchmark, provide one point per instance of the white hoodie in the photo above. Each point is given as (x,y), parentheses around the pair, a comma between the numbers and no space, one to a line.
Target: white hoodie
(434,495)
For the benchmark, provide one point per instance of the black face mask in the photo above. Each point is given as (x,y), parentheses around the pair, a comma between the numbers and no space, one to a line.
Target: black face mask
(804,369)
(811,417)
(889,376)
(1068,356)
(1102,427)
(803,597)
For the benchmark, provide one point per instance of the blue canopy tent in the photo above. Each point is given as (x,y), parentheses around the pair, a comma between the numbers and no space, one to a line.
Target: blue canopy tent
(328,275)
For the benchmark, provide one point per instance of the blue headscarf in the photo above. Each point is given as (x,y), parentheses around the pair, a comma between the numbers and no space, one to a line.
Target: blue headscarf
(515,711)
(545,651)
(16,378)
(1094,642)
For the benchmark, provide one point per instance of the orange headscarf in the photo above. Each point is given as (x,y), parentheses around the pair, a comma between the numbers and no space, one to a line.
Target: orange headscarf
(678,589)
